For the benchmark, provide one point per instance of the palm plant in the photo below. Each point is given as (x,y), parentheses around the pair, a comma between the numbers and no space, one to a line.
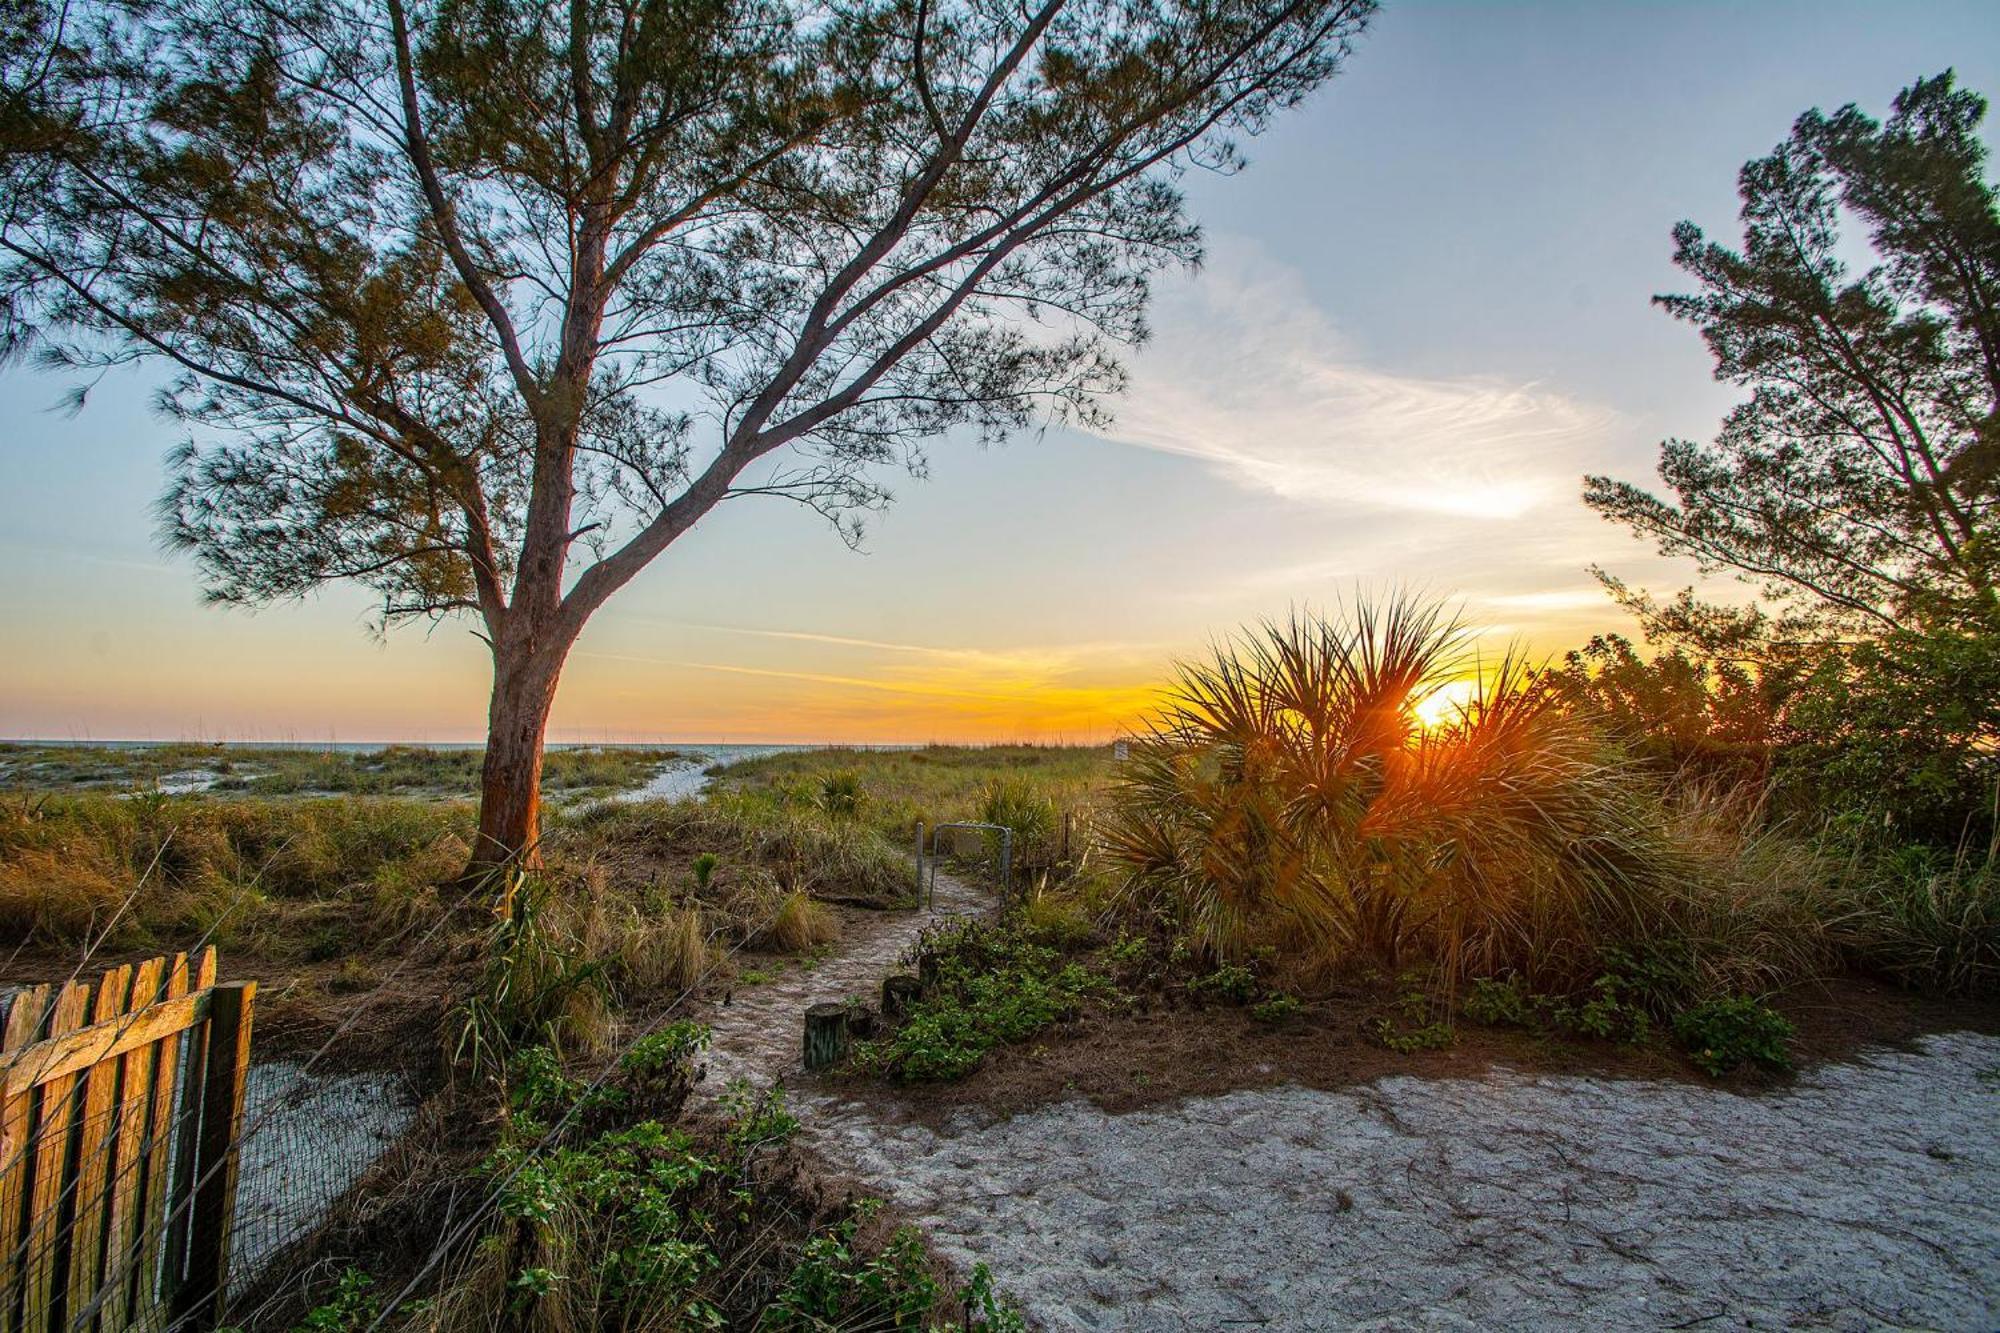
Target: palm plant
(1287,795)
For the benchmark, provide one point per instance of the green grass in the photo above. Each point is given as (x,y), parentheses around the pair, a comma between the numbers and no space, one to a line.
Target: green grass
(396,770)
(793,847)
(1027,787)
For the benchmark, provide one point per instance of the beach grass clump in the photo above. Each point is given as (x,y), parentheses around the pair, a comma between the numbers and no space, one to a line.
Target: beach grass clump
(800,925)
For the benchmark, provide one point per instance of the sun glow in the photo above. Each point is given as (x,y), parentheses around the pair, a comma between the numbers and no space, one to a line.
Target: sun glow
(1444,705)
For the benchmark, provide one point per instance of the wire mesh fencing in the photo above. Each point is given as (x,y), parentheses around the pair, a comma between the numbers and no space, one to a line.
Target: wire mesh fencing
(309,1137)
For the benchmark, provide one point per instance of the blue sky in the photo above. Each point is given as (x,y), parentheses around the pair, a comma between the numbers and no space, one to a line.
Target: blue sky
(1424,316)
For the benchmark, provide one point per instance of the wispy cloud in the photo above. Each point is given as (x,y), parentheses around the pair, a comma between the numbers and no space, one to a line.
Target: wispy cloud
(1248,375)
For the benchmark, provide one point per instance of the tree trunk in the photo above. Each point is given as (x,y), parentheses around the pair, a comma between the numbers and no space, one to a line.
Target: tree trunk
(510,782)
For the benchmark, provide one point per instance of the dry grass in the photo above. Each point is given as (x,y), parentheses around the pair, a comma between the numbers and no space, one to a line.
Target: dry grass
(664,953)
(757,843)
(307,879)
(799,926)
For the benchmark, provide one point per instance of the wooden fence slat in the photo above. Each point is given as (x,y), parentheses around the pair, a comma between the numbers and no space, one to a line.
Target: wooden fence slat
(24,1021)
(100,1102)
(128,1160)
(55,1118)
(180,1213)
(101,1041)
(222,1087)
(160,1158)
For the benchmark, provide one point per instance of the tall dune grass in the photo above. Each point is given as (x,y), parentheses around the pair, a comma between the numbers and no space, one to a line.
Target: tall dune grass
(159,870)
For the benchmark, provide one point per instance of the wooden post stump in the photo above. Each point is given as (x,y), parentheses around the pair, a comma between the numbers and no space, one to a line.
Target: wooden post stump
(826,1034)
(899,991)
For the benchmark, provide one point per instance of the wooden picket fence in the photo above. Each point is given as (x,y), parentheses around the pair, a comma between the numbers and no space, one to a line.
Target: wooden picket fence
(120,1115)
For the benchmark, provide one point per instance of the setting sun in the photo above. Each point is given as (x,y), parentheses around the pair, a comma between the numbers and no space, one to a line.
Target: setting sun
(1443,705)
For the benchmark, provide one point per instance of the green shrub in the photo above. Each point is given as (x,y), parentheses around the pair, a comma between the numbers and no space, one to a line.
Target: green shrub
(1920,919)
(841,794)
(1275,1009)
(834,1285)
(1232,982)
(1719,1035)
(1026,808)
(353,1306)
(1416,1021)
(643,1225)
(1619,1004)
(1289,797)
(986,985)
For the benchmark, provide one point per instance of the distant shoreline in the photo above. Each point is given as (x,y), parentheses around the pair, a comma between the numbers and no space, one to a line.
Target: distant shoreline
(367,746)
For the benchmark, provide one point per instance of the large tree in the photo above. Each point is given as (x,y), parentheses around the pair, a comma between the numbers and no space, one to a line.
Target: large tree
(1856,486)
(483,303)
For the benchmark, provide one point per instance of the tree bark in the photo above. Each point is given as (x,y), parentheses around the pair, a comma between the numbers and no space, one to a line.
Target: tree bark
(510,782)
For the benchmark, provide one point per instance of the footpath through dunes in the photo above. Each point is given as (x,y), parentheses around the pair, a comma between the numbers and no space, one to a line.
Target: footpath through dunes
(1865,1194)
(759,1030)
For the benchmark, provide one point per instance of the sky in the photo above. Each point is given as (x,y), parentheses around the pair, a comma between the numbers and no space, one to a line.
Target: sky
(1424,316)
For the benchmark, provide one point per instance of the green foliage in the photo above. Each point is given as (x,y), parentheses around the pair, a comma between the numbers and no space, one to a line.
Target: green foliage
(1710,719)
(986,985)
(1919,918)
(756,1119)
(604,1222)
(1287,798)
(985,1310)
(841,794)
(1606,1010)
(1026,807)
(1856,486)
(1275,1008)
(1719,1035)
(834,1286)
(1898,734)
(838,1283)
(354,1305)
(1635,988)
(1232,982)
(616,1216)
(1628,1000)
(539,986)
(1416,1021)
(1853,486)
